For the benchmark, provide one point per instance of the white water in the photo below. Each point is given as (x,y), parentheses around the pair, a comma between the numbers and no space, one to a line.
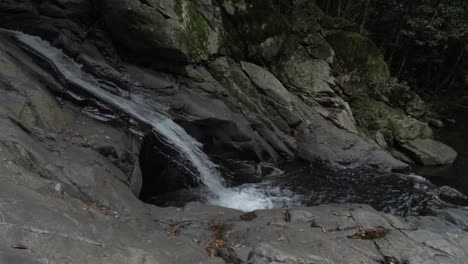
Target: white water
(245,198)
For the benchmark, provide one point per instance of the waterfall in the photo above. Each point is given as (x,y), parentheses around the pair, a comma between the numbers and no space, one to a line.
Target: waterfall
(246,198)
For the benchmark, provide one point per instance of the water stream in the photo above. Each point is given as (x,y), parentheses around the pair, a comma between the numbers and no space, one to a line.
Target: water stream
(300,185)
(246,198)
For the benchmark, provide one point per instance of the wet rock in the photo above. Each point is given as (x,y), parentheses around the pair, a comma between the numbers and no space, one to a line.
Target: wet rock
(452,196)
(240,172)
(429,152)
(436,123)
(164,169)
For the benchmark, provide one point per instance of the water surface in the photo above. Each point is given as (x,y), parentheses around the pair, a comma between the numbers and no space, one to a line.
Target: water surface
(456,136)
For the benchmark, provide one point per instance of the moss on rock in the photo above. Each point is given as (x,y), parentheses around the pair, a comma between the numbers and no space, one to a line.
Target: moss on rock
(359,52)
(195,32)
(371,115)
(318,47)
(178,8)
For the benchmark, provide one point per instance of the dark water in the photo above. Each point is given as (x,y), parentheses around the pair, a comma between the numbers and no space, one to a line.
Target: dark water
(317,184)
(455,175)
(389,192)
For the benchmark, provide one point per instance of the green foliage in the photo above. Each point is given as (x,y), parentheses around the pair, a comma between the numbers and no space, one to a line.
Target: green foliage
(423,40)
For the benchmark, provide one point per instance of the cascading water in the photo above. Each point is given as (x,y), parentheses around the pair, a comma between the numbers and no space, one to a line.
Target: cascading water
(246,197)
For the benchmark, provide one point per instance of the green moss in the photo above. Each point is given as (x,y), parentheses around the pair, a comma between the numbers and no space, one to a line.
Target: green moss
(358,52)
(317,46)
(195,33)
(370,114)
(178,8)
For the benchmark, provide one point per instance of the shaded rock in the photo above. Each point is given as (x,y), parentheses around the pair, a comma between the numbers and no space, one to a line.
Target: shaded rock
(318,47)
(399,94)
(262,36)
(170,29)
(380,140)
(240,172)
(267,82)
(429,152)
(407,128)
(402,156)
(453,196)
(304,17)
(304,74)
(436,123)
(359,52)
(163,168)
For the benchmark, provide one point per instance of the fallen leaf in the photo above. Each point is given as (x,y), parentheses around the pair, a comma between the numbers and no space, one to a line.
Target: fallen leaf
(220,243)
(174,231)
(104,211)
(370,234)
(87,206)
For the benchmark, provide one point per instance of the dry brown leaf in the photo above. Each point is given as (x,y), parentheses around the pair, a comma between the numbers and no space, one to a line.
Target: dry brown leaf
(220,243)
(104,211)
(174,231)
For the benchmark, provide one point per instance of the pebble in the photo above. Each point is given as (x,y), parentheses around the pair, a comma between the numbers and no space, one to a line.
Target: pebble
(58,188)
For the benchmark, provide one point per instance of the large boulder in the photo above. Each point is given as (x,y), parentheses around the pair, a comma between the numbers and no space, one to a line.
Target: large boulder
(429,152)
(173,29)
(360,53)
(408,128)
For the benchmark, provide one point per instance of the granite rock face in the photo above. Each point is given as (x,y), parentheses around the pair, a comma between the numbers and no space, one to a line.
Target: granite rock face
(71,161)
(278,101)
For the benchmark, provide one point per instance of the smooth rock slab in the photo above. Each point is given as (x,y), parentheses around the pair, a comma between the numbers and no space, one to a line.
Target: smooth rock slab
(430,152)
